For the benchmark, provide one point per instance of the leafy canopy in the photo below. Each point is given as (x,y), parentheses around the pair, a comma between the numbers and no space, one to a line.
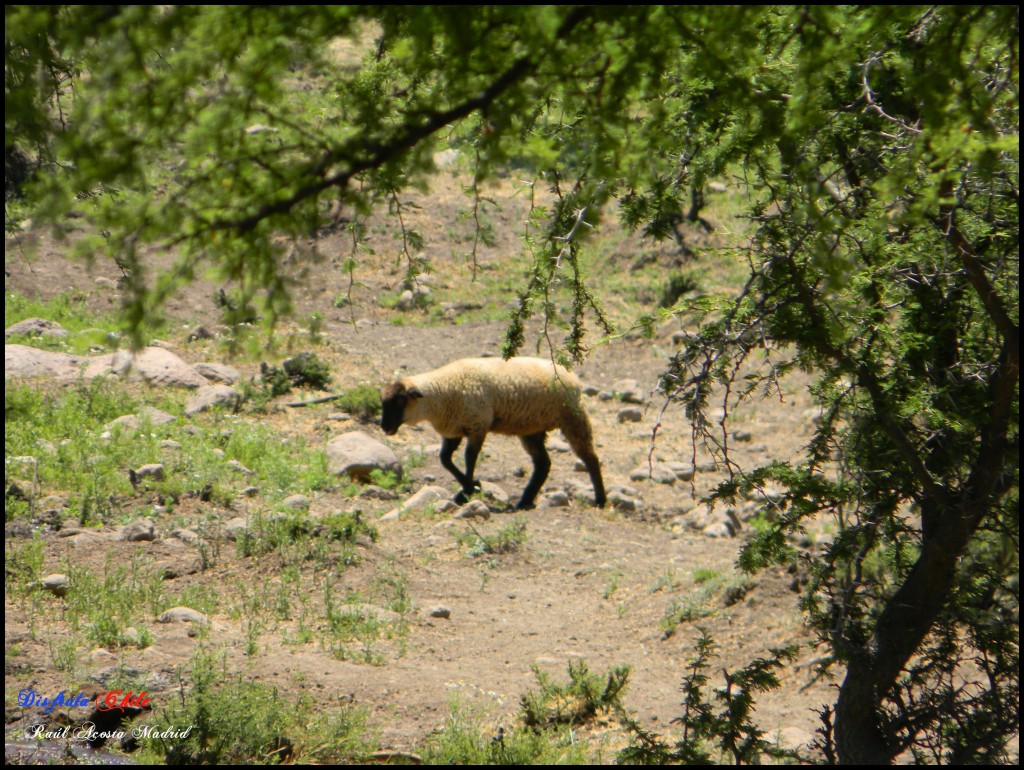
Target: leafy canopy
(878,151)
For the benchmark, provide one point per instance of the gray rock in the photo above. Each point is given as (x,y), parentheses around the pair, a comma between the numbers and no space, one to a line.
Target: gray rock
(139,530)
(474,509)
(56,584)
(153,471)
(356,455)
(373,492)
(629,391)
(186,536)
(439,612)
(494,492)
(423,497)
(553,500)
(621,502)
(723,528)
(235,528)
(220,373)
(183,615)
(683,471)
(209,396)
(200,333)
(36,327)
(630,414)
(158,367)
(236,465)
(657,472)
(296,502)
(406,300)
(23,362)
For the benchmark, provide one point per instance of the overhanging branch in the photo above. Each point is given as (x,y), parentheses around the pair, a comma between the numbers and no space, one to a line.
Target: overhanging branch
(407,137)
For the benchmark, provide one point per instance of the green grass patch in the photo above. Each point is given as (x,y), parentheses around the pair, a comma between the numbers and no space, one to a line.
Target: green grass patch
(509,538)
(75,450)
(580,699)
(465,741)
(87,330)
(231,721)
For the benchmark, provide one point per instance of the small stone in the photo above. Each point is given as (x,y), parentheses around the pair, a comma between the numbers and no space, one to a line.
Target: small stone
(153,471)
(621,502)
(554,500)
(139,531)
(296,503)
(56,584)
(440,612)
(374,492)
(210,396)
(630,414)
(221,373)
(235,528)
(183,615)
(239,467)
(200,333)
(186,536)
(36,327)
(474,509)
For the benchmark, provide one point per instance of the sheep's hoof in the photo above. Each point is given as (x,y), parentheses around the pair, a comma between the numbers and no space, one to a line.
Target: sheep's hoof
(462,498)
(524,505)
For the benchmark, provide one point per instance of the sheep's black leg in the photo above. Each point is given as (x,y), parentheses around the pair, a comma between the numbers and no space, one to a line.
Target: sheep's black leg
(448,447)
(473,447)
(534,446)
(583,446)
(594,469)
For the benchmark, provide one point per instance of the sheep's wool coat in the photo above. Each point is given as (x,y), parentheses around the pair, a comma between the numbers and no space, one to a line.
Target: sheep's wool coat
(521,396)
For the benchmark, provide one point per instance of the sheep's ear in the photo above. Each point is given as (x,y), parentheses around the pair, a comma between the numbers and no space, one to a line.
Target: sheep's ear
(414,393)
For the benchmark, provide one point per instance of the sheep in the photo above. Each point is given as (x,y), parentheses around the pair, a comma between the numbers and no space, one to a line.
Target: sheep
(471,397)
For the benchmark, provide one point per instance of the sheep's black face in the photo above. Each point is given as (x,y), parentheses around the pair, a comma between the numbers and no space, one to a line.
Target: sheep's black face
(393,399)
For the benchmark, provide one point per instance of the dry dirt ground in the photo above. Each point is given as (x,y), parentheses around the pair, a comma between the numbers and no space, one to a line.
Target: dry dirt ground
(587,583)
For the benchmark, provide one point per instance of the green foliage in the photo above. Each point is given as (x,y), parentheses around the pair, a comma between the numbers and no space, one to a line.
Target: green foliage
(237,722)
(303,370)
(507,539)
(104,606)
(717,728)
(78,452)
(279,532)
(878,151)
(585,696)
(87,330)
(362,401)
(463,741)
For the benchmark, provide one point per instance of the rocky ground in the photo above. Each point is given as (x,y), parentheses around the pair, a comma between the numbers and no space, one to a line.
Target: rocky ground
(586,583)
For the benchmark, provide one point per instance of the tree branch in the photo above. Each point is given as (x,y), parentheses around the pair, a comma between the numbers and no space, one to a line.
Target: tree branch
(408,137)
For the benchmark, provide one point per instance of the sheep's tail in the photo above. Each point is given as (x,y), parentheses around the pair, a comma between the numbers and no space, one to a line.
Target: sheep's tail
(577,431)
